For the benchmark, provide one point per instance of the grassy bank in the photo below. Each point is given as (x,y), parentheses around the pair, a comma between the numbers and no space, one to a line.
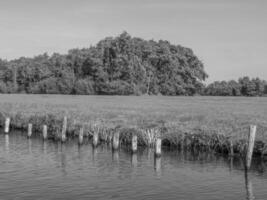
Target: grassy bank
(196,122)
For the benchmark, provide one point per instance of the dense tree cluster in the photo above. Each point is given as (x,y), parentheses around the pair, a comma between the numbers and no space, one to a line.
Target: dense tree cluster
(122,65)
(243,87)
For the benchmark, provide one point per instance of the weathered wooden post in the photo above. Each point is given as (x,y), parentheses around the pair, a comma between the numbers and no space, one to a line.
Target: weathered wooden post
(95,138)
(110,136)
(134,143)
(231,152)
(158,147)
(7,124)
(116,140)
(81,136)
(250,147)
(64,130)
(44,132)
(29,130)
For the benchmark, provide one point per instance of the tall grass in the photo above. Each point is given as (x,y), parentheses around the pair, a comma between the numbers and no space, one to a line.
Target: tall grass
(206,123)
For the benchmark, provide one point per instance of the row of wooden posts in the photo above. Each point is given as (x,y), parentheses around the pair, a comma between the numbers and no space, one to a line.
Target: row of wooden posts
(114,139)
(134,143)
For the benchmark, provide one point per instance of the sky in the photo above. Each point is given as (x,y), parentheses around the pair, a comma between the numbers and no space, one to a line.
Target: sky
(228,36)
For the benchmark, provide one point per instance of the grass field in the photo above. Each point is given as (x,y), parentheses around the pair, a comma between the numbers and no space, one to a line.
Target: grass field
(226,116)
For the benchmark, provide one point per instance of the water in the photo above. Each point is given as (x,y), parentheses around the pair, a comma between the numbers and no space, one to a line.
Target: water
(33,169)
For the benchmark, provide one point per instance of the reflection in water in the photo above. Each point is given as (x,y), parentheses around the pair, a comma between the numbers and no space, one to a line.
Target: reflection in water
(44,147)
(115,156)
(66,172)
(134,160)
(6,142)
(63,159)
(249,188)
(262,166)
(231,163)
(157,165)
(29,145)
(150,154)
(94,154)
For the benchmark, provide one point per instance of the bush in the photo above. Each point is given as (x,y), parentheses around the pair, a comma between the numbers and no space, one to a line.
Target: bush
(83,86)
(3,87)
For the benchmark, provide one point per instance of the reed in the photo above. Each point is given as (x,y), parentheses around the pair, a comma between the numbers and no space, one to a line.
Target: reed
(187,123)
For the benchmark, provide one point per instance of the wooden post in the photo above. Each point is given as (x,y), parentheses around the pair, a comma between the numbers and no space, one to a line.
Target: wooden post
(44,132)
(231,153)
(158,147)
(251,140)
(116,140)
(64,130)
(134,143)
(29,130)
(95,138)
(110,136)
(81,136)
(7,124)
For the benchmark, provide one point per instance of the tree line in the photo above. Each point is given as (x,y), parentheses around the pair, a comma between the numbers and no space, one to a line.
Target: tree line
(243,87)
(121,65)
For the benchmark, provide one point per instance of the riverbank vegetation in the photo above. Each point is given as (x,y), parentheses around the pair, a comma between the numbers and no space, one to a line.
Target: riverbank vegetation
(207,123)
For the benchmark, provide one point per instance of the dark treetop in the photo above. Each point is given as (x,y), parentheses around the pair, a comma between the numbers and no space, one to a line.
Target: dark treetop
(120,66)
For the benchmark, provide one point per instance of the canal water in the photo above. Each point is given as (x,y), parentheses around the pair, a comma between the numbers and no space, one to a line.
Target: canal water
(33,169)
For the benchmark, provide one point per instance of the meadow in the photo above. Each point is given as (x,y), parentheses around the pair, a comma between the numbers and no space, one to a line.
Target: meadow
(198,121)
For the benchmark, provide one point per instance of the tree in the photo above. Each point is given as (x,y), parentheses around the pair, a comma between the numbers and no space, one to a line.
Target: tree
(115,65)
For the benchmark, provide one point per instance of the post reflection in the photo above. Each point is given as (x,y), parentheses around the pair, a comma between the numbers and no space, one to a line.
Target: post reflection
(6,142)
(63,159)
(115,156)
(29,145)
(94,153)
(44,147)
(249,187)
(134,160)
(157,165)
(231,163)
(150,153)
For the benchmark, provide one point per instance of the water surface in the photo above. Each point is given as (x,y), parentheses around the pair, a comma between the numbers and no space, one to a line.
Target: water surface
(33,169)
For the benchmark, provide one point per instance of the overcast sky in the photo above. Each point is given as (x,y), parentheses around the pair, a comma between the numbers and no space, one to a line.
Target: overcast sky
(229,36)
